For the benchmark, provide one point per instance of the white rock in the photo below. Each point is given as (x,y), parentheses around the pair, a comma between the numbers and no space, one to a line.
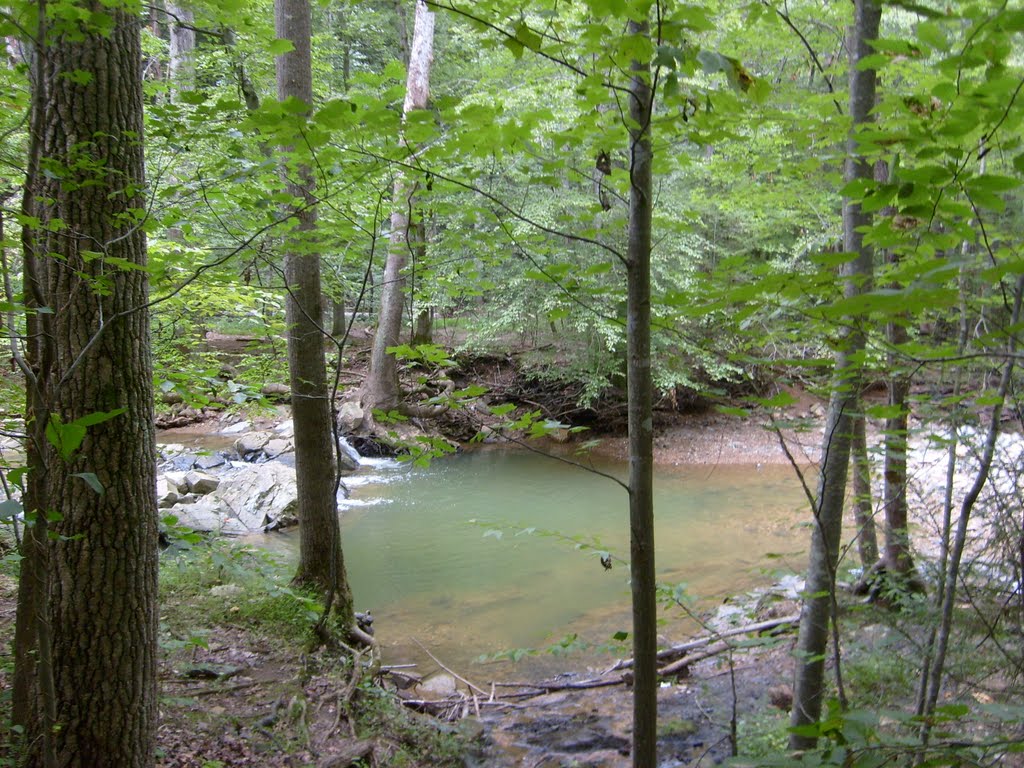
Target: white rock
(285,428)
(201,483)
(176,481)
(350,417)
(252,442)
(348,461)
(237,428)
(277,446)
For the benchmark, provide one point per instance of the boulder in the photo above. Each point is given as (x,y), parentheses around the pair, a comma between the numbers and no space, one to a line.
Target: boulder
(200,483)
(249,499)
(286,428)
(237,428)
(276,391)
(166,494)
(177,481)
(210,460)
(252,443)
(351,416)
(348,460)
(277,446)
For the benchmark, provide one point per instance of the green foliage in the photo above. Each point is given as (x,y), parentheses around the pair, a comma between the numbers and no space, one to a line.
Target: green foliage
(258,597)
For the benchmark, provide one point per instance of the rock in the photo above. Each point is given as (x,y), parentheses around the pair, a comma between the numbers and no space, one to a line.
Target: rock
(351,416)
(286,428)
(237,428)
(348,460)
(201,483)
(166,494)
(252,443)
(438,686)
(276,391)
(210,460)
(177,481)
(250,499)
(182,462)
(276,447)
(203,515)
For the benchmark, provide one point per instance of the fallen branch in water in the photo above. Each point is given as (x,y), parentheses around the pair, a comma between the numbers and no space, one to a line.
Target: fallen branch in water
(676,651)
(454,674)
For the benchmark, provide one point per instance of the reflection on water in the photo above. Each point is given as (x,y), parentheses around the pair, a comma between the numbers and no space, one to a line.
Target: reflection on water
(446,555)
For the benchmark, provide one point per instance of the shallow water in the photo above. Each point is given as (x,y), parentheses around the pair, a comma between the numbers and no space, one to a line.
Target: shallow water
(480,552)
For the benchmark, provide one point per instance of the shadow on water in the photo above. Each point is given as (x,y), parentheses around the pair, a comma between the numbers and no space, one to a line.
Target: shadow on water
(479,553)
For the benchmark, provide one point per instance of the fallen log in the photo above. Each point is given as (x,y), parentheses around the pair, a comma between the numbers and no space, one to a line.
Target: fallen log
(677,651)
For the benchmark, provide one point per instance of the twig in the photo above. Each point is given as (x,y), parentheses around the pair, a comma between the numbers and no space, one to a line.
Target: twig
(678,650)
(454,674)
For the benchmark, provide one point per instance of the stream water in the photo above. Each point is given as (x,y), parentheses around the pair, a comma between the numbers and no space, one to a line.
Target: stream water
(479,552)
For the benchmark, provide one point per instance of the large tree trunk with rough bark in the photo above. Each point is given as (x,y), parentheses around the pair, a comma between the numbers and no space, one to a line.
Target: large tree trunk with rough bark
(321,563)
(381,389)
(641,406)
(819,590)
(95,586)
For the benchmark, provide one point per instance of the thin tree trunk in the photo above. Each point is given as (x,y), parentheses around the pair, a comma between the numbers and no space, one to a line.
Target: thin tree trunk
(867,537)
(966,508)
(640,398)
(338,324)
(819,590)
(321,562)
(381,389)
(181,68)
(899,561)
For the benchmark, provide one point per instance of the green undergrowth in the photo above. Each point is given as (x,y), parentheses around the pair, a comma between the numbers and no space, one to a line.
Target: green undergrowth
(221,583)
(229,616)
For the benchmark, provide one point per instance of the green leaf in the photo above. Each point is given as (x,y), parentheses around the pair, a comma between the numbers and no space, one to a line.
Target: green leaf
(280,46)
(65,438)
(10,509)
(99,417)
(92,481)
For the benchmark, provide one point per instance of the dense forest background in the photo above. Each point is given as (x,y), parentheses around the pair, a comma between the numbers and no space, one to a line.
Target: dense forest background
(654,205)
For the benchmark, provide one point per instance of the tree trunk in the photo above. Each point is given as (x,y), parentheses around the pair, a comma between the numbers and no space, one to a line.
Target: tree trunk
(321,562)
(338,324)
(641,406)
(867,537)
(819,590)
(181,69)
(99,571)
(381,389)
(899,561)
(948,596)
(424,331)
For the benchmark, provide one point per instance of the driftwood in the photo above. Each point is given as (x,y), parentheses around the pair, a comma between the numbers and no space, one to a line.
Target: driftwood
(678,651)
(678,657)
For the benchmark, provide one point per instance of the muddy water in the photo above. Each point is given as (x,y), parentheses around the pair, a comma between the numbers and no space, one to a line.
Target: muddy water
(481,552)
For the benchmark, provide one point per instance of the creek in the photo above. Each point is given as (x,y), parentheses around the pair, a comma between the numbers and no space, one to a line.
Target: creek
(477,553)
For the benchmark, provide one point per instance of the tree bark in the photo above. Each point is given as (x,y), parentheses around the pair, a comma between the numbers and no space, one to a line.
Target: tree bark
(99,571)
(181,69)
(381,389)
(321,561)
(641,406)
(819,590)
(867,536)
(338,324)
